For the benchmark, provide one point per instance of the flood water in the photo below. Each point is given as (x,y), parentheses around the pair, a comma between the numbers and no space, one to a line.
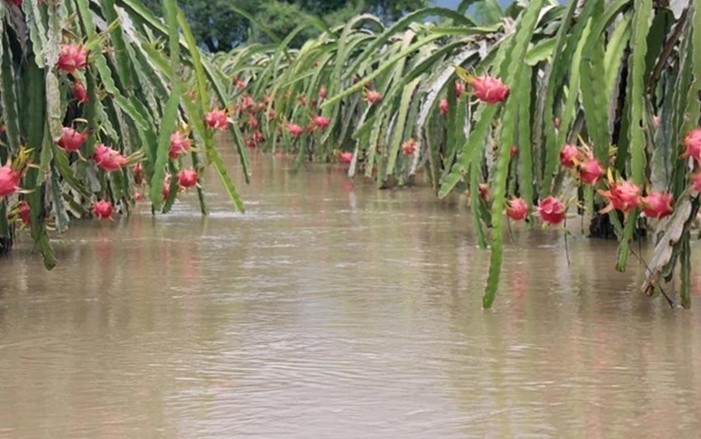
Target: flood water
(332,310)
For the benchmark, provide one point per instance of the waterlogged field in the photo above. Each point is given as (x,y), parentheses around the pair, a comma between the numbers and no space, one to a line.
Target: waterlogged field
(400,175)
(533,109)
(333,310)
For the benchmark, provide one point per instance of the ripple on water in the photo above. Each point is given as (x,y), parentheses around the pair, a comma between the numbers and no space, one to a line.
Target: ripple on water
(320,314)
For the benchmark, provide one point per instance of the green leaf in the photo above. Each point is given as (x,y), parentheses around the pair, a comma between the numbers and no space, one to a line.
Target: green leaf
(642,19)
(519,96)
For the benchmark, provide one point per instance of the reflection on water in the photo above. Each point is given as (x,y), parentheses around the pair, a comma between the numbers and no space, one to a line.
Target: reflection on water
(333,310)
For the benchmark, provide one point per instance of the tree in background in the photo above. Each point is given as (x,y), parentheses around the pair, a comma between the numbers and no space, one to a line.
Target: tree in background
(214,23)
(218,26)
(281,18)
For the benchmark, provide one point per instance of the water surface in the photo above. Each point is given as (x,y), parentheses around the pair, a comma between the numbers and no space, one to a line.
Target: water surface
(332,310)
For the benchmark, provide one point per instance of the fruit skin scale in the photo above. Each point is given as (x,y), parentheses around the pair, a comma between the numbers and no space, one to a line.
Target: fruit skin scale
(552,211)
(102,209)
(9,181)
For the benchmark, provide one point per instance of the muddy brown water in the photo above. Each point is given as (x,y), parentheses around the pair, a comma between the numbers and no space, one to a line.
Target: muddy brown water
(332,310)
